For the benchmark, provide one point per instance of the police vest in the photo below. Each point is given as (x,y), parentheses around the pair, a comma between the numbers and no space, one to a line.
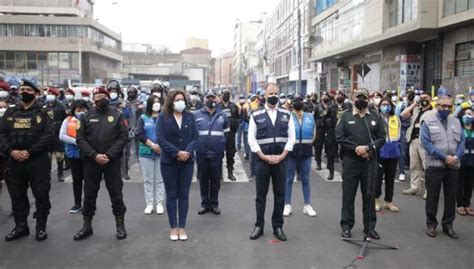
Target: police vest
(446,140)
(149,127)
(212,129)
(70,150)
(304,136)
(272,138)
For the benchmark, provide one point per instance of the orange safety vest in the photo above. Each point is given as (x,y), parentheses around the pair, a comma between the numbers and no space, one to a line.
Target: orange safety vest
(72,124)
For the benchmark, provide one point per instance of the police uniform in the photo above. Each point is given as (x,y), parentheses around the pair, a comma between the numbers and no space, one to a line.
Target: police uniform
(209,154)
(57,112)
(352,130)
(326,119)
(271,131)
(102,132)
(232,112)
(32,130)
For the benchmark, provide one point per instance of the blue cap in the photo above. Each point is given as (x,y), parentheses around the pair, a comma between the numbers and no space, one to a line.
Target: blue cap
(442,91)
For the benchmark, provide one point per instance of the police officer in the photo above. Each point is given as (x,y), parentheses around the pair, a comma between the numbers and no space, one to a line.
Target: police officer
(57,112)
(232,112)
(116,94)
(86,96)
(212,125)
(132,113)
(69,100)
(196,103)
(26,132)
(443,139)
(4,91)
(359,148)
(326,118)
(101,137)
(271,138)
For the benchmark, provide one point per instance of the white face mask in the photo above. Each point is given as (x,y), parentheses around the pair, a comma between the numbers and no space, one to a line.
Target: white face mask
(156,107)
(282,100)
(113,95)
(394,99)
(69,97)
(377,101)
(417,98)
(157,94)
(2,111)
(85,98)
(179,106)
(3,94)
(50,98)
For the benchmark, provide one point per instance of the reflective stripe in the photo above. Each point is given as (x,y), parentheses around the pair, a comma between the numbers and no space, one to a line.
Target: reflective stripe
(284,111)
(217,133)
(226,130)
(265,141)
(203,132)
(256,113)
(467,151)
(306,141)
(281,139)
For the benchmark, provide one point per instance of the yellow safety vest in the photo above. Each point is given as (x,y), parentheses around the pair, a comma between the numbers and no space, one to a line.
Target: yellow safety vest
(394,128)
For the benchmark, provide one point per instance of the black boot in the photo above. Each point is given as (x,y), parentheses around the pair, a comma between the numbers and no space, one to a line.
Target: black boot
(318,166)
(21,230)
(120,222)
(86,230)
(41,233)
(331,175)
(231,176)
(60,171)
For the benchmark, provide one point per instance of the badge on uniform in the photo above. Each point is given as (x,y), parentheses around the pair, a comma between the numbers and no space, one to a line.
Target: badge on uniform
(110,119)
(50,114)
(38,119)
(373,123)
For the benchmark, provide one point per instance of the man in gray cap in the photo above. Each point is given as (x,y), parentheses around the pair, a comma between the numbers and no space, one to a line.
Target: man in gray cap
(361,133)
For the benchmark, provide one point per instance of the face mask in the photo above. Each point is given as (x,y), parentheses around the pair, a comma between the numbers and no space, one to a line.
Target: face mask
(3,94)
(156,107)
(50,98)
(226,98)
(325,100)
(211,104)
(157,94)
(195,98)
(443,114)
(272,100)
(113,95)
(102,103)
(27,97)
(416,98)
(132,96)
(394,99)
(313,101)
(79,114)
(263,100)
(361,104)
(424,103)
(87,99)
(467,120)
(69,97)
(340,100)
(282,100)
(2,111)
(385,109)
(377,101)
(242,101)
(298,105)
(179,106)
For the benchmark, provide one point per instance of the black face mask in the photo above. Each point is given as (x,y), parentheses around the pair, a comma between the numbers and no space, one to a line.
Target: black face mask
(102,103)
(340,100)
(27,97)
(325,100)
(226,98)
(132,96)
(361,104)
(424,103)
(211,104)
(272,100)
(298,105)
(313,101)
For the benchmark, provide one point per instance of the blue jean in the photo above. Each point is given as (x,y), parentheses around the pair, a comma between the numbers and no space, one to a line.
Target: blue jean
(177,178)
(246,144)
(303,164)
(154,188)
(239,134)
(402,162)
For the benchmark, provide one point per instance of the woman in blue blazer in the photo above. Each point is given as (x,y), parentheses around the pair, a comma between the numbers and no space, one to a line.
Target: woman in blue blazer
(177,136)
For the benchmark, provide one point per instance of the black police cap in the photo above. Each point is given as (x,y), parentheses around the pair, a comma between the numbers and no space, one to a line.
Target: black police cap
(27,83)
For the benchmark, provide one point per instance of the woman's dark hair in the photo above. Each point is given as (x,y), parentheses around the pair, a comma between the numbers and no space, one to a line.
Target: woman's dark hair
(392,106)
(169,102)
(78,104)
(462,113)
(149,104)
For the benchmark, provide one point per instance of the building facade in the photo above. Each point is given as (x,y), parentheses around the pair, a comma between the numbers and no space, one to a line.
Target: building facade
(223,70)
(404,43)
(51,41)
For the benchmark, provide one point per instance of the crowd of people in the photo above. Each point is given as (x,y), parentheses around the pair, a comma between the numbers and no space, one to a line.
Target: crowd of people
(97,135)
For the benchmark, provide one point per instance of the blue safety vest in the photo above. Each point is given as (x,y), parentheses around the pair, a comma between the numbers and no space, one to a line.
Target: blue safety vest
(149,126)
(304,136)
(212,129)
(272,138)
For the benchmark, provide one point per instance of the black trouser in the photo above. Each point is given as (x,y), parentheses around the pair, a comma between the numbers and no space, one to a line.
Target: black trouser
(326,138)
(353,172)
(230,149)
(35,172)
(125,160)
(387,171)
(434,179)
(466,179)
(210,170)
(92,176)
(77,171)
(277,173)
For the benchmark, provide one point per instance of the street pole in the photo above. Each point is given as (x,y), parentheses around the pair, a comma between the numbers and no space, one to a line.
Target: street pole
(298,85)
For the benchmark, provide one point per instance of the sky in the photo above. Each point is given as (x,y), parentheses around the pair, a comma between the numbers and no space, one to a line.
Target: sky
(171,22)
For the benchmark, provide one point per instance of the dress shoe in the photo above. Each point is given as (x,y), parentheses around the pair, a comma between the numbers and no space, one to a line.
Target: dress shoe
(318,167)
(61,178)
(391,207)
(410,192)
(41,235)
(372,234)
(182,235)
(231,175)
(257,232)
(120,224)
(216,211)
(331,175)
(20,230)
(279,234)
(126,177)
(346,234)
(203,210)
(431,232)
(378,205)
(448,230)
(85,232)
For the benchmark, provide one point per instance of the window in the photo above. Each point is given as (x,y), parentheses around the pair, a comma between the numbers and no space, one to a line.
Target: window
(322,5)
(402,11)
(452,7)
(464,60)
(20,60)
